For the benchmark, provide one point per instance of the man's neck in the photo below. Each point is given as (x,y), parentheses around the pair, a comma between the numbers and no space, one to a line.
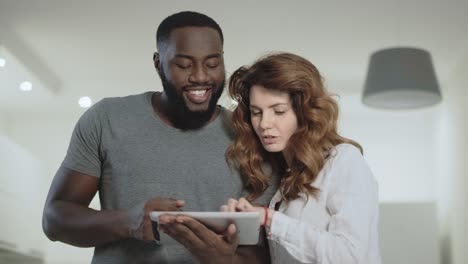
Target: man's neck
(172,117)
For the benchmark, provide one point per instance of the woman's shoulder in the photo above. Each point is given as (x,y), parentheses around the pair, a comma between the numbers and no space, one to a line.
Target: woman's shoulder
(346,158)
(345,151)
(348,164)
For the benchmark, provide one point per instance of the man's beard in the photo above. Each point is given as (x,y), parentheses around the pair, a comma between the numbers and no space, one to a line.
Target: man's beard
(183,117)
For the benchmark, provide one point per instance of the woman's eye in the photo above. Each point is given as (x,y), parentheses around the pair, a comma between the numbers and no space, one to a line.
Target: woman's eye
(280,112)
(255,113)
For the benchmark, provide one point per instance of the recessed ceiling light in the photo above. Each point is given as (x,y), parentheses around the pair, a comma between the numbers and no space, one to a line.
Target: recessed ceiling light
(85,102)
(26,86)
(2,62)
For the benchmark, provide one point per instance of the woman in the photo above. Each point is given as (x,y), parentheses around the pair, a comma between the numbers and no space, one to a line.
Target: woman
(326,208)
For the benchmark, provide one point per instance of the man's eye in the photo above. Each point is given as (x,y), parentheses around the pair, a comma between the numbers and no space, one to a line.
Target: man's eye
(212,65)
(183,66)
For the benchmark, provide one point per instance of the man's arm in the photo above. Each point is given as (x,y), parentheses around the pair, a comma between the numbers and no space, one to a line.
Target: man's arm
(254,254)
(68,218)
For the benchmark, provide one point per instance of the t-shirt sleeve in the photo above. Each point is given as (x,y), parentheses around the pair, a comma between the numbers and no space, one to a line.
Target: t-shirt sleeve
(83,154)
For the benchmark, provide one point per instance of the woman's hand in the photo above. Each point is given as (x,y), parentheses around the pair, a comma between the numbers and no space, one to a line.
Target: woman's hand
(242,205)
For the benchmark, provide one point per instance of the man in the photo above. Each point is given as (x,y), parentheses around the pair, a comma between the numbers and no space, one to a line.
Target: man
(154,152)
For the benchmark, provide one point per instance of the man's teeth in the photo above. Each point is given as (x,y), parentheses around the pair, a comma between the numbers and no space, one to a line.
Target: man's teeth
(198,92)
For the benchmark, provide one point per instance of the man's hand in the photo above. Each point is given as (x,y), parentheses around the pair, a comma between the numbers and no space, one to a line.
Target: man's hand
(141,226)
(203,243)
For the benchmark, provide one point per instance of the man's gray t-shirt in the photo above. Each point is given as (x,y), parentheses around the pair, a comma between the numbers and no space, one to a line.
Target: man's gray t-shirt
(138,157)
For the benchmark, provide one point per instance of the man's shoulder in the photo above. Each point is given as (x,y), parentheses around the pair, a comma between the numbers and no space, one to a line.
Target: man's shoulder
(116,106)
(224,112)
(226,121)
(124,104)
(129,99)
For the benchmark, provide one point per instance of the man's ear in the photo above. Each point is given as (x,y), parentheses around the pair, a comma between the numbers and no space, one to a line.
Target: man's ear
(157,62)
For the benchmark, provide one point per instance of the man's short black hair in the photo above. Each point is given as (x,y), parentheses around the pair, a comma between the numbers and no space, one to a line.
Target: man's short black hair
(184,19)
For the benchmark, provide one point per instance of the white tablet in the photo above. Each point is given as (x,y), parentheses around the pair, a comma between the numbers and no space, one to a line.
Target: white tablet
(247,223)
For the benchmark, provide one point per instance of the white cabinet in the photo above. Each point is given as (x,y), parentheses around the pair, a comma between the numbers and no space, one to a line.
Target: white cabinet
(409,233)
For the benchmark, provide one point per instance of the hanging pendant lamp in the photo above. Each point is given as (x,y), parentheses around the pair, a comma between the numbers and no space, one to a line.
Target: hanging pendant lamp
(401,78)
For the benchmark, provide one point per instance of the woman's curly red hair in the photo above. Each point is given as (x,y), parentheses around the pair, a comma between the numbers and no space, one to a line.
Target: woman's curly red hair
(317,115)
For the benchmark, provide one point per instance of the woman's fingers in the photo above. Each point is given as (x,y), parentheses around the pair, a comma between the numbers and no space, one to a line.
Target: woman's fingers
(244,206)
(232,204)
(241,205)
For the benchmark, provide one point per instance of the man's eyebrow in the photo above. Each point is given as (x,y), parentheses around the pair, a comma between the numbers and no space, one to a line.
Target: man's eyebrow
(216,55)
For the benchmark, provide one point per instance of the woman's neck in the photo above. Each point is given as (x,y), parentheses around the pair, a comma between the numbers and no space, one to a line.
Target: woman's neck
(287,157)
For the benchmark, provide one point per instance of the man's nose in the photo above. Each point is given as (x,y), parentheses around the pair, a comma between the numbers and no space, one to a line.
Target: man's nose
(198,75)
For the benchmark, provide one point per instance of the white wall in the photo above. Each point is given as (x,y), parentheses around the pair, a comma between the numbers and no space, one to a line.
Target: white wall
(20,191)
(399,147)
(457,224)
(449,151)
(47,137)
(3,124)
(421,156)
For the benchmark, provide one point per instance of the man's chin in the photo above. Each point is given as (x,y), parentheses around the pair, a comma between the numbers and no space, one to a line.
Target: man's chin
(194,117)
(197,108)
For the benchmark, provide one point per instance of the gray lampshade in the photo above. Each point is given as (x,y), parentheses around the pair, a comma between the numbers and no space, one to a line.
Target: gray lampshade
(401,78)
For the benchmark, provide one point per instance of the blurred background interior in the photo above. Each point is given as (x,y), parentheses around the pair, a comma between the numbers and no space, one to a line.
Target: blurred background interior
(66,50)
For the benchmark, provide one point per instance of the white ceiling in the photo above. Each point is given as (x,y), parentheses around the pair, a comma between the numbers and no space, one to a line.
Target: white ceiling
(104,48)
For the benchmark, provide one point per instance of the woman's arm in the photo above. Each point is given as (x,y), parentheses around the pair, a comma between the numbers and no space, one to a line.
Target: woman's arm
(352,203)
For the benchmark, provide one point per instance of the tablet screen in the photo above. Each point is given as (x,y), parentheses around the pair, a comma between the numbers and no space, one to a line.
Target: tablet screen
(247,223)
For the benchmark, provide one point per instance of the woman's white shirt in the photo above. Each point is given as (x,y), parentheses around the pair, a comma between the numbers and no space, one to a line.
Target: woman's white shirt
(340,226)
